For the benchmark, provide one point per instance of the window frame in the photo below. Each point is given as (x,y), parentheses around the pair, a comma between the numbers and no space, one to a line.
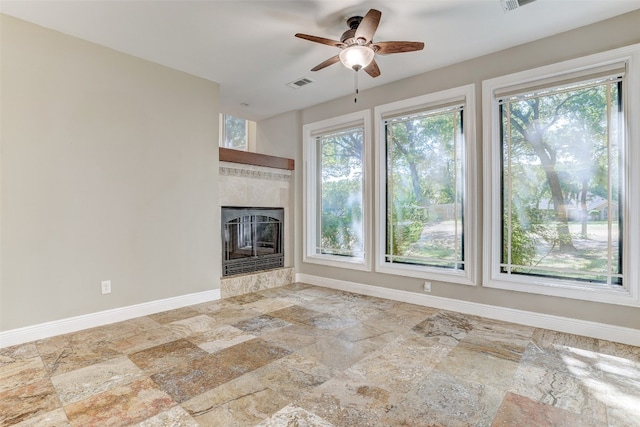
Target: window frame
(629,292)
(311,186)
(468,276)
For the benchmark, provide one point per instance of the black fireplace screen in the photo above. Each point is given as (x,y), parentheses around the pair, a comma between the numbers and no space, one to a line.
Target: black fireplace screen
(251,239)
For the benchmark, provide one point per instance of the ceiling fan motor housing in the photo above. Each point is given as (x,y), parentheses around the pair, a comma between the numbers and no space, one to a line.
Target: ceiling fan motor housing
(349,36)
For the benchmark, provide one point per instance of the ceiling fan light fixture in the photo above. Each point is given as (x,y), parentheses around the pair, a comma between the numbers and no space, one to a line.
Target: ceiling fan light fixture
(356,57)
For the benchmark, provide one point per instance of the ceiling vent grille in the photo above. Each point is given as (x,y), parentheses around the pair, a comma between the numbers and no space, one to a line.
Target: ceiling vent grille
(509,5)
(302,81)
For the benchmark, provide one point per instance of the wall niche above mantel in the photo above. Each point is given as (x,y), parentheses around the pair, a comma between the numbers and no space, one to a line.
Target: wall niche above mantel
(255,159)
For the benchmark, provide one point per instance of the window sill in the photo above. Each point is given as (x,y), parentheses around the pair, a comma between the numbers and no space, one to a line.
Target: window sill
(338,261)
(598,293)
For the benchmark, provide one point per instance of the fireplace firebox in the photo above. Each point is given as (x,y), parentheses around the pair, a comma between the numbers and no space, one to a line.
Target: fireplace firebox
(251,239)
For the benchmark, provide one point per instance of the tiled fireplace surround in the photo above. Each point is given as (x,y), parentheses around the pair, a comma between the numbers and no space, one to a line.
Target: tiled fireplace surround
(258,186)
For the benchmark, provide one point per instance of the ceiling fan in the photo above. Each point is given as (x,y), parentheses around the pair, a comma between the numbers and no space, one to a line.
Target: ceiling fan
(358,47)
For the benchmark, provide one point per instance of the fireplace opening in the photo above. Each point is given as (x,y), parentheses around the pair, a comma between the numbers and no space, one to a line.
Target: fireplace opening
(251,239)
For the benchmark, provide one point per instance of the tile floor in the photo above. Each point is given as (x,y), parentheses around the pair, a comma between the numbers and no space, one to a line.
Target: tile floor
(301,355)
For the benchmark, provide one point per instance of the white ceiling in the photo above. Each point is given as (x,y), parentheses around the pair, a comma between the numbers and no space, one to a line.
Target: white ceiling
(250,49)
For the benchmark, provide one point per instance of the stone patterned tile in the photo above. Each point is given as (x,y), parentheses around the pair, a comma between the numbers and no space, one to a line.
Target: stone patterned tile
(234,389)
(55,418)
(219,338)
(337,353)
(295,313)
(331,322)
(118,330)
(165,356)
(268,305)
(250,355)
(463,362)
(402,364)
(547,339)
(347,401)
(293,375)
(20,365)
(246,410)
(245,299)
(448,326)
(91,380)
(120,406)
(135,341)
(176,417)
(305,355)
(175,315)
(365,332)
(261,324)
(443,399)
(193,325)
(621,351)
(196,376)
(232,314)
(28,401)
(517,411)
(294,416)
(559,388)
(295,337)
(503,340)
(66,353)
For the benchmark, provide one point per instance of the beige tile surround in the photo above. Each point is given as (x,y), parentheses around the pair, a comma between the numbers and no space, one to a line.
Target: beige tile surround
(258,186)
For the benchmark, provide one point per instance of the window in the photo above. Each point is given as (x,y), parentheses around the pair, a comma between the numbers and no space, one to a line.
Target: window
(424,171)
(335,183)
(560,193)
(235,133)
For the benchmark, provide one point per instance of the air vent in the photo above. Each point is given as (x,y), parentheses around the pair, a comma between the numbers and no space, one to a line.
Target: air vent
(509,5)
(302,81)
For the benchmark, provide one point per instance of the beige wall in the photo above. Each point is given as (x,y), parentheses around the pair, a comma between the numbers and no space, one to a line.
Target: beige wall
(108,171)
(617,32)
(279,135)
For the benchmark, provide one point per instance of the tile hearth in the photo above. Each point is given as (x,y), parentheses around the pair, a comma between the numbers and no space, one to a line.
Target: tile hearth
(310,356)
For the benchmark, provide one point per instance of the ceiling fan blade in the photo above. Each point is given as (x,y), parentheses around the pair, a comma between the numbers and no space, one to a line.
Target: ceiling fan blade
(368,25)
(326,63)
(320,40)
(384,48)
(372,69)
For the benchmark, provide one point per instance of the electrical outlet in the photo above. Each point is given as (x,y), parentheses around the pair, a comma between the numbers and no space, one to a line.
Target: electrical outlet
(106,287)
(427,286)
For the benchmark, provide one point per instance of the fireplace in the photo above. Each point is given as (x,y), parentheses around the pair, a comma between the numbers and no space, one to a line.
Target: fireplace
(251,239)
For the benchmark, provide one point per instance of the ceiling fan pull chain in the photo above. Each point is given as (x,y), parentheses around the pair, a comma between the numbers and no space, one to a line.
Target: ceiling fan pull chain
(355,100)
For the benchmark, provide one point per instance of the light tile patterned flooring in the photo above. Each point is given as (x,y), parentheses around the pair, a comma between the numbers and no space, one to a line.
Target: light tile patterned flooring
(301,355)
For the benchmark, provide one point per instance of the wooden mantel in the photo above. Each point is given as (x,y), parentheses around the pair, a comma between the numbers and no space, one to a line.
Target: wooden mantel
(256,159)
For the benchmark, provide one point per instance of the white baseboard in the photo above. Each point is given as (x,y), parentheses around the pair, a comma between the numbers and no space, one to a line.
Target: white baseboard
(587,328)
(73,324)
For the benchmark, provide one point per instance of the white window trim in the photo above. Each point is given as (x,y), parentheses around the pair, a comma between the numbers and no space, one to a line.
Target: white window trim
(629,293)
(468,276)
(359,118)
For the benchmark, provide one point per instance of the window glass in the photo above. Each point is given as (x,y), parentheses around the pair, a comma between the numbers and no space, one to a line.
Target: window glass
(425,189)
(340,196)
(234,133)
(561,184)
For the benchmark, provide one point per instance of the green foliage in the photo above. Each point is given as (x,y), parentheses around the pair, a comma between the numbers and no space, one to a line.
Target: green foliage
(523,242)
(341,216)
(406,226)
(235,132)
